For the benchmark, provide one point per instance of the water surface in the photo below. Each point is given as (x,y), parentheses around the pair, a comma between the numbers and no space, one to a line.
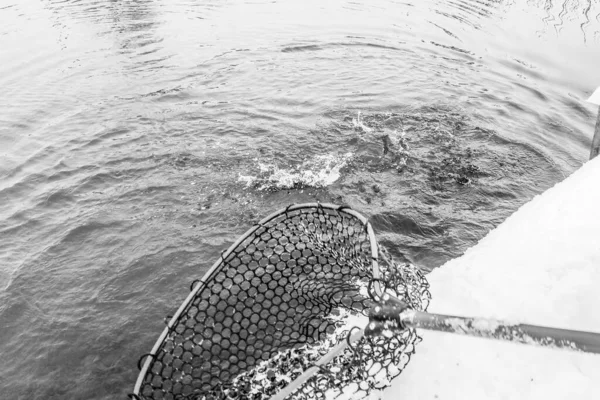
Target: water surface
(138,139)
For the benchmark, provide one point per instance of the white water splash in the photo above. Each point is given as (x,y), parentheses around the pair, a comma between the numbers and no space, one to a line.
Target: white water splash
(359,124)
(319,171)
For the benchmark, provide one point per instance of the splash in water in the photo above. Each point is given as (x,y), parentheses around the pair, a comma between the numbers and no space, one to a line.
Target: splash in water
(318,171)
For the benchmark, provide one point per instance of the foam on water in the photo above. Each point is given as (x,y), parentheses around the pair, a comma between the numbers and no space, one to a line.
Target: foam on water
(318,171)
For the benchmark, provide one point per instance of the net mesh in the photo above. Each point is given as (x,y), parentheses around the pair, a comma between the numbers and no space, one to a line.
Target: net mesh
(276,302)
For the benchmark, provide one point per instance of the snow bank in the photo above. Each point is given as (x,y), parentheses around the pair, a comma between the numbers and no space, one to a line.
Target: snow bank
(541,266)
(595,97)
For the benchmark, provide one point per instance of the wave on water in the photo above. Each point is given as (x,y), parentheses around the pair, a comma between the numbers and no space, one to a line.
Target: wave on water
(317,171)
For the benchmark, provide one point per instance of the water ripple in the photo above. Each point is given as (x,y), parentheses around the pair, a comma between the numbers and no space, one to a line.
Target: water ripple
(125,127)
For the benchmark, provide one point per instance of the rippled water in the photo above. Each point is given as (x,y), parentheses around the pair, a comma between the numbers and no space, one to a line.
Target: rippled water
(138,139)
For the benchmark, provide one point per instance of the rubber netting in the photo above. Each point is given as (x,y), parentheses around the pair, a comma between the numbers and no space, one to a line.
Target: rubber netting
(275,303)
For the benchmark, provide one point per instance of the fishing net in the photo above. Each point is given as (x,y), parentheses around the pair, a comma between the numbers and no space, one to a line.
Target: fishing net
(275,304)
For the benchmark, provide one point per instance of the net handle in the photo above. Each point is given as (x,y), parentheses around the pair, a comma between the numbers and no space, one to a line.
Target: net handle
(395,315)
(568,339)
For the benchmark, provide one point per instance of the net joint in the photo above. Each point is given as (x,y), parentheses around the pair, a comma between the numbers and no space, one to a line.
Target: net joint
(139,364)
(194,282)
(350,346)
(344,207)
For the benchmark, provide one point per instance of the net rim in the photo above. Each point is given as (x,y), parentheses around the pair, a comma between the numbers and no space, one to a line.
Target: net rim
(202,281)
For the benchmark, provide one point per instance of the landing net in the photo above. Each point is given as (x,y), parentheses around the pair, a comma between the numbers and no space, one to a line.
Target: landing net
(275,304)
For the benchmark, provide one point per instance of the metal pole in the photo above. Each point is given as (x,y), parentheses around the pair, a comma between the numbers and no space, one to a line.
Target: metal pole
(588,342)
(392,314)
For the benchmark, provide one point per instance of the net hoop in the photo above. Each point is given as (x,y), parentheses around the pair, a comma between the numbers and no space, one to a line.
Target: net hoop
(200,284)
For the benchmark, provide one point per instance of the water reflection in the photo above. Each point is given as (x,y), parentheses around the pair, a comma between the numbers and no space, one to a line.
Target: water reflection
(585,14)
(470,12)
(556,16)
(132,25)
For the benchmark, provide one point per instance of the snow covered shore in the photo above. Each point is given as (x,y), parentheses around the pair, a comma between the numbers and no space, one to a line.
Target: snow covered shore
(541,266)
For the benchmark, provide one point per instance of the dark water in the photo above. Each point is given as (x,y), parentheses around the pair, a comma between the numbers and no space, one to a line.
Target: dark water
(138,139)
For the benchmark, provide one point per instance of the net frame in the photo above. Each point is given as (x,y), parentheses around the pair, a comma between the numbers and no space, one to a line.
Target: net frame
(398,298)
(200,284)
